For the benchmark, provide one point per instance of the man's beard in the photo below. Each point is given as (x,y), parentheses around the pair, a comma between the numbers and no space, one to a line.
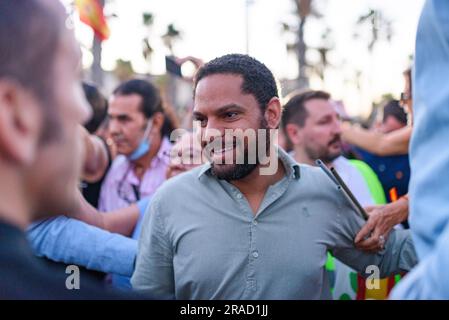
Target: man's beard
(230,172)
(237,171)
(323,153)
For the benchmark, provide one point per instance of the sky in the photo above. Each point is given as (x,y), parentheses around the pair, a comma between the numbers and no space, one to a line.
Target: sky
(211,28)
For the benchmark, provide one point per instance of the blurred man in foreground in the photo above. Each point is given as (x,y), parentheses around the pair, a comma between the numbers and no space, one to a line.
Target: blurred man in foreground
(41,107)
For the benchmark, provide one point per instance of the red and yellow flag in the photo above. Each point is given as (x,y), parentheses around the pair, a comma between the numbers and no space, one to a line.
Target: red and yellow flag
(91,13)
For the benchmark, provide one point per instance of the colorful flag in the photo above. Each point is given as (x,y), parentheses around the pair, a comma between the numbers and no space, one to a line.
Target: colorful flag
(91,13)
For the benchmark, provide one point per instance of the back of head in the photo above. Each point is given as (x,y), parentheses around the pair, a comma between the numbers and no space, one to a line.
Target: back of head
(393,109)
(28,43)
(39,60)
(258,80)
(99,106)
(30,31)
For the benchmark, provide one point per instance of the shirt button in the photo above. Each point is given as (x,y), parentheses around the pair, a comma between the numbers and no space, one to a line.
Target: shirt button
(239,196)
(255,222)
(255,254)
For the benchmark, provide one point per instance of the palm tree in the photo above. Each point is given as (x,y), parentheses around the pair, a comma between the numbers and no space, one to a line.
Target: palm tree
(380,27)
(147,49)
(303,10)
(323,50)
(97,71)
(171,36)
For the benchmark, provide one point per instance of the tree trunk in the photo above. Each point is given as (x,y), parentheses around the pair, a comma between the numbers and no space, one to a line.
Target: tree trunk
(97,71)
(303,80)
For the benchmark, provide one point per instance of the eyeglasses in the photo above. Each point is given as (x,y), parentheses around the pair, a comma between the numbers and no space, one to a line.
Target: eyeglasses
(405,96)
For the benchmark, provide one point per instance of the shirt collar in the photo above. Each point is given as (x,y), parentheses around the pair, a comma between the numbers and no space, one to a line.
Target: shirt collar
(290,165)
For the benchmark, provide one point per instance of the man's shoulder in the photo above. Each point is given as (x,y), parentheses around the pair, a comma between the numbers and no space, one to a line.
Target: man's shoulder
(314,183)
(312,175)
(117,168)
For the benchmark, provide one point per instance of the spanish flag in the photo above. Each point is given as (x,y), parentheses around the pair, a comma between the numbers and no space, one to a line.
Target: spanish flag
(91,13)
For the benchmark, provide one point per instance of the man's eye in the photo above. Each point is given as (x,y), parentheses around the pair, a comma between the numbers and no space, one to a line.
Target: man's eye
(202,122)
(325,121)
(231,114)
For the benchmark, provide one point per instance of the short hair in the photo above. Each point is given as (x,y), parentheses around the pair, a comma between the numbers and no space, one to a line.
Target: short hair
(30,33)
(99,106)
(295,111)
(258,80)
(151,100)
(393,108)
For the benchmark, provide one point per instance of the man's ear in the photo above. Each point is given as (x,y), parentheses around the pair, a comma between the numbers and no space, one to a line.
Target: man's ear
(158,122)
(273,113)
(20,124)
(294,134)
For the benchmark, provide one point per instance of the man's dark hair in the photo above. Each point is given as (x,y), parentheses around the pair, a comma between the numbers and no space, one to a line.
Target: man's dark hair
(30,33)
(151,100)
(99,106)
(295,111)
(257,78)
(393,108)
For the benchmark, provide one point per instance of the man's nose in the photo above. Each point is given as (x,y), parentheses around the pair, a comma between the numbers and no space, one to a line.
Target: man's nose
(114,126)
(211,132)
(336,129)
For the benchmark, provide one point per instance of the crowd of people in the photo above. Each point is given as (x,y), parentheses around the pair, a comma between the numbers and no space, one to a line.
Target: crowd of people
(236,208)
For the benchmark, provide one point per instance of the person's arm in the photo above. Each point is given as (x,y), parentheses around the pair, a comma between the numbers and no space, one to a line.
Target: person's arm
(197,62)
(71,241)
(428,280)
(96,157)
(154,274)
(397,256)
(382,220)
(122,221)
(381,144)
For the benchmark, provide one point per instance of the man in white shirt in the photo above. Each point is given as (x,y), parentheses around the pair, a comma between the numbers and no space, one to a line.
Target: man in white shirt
(312,124)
